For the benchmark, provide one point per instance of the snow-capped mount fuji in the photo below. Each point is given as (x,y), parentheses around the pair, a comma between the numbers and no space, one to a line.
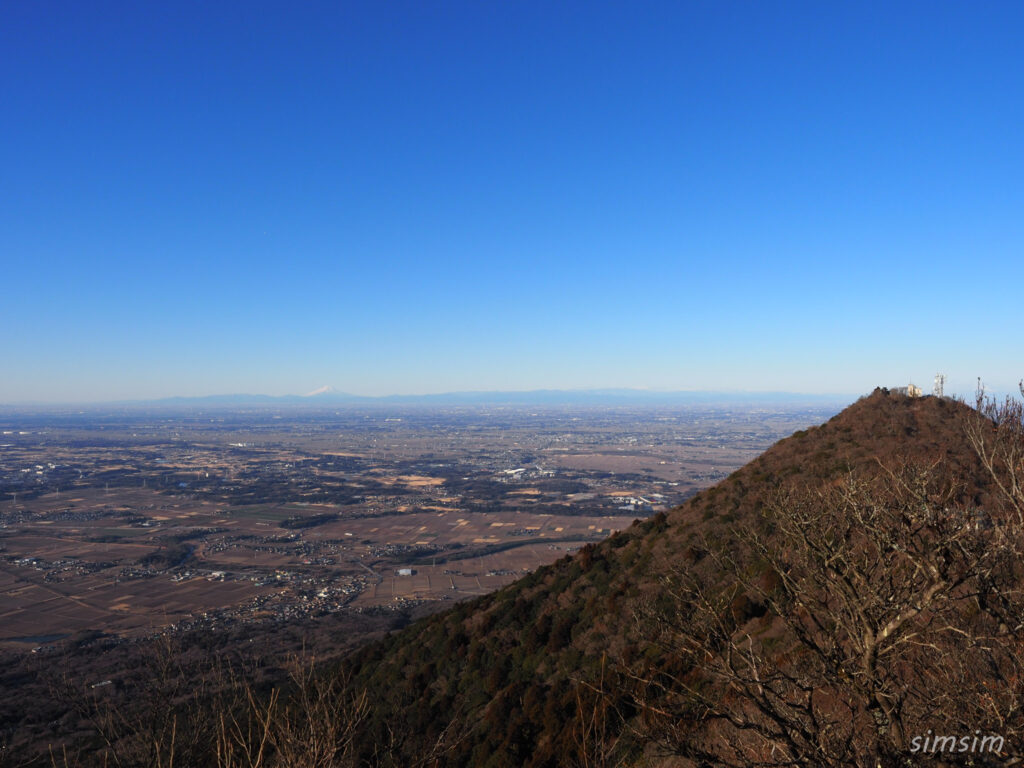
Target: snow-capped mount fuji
(326,389)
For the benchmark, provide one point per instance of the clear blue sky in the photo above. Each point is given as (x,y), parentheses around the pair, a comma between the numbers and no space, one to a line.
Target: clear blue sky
(405,197)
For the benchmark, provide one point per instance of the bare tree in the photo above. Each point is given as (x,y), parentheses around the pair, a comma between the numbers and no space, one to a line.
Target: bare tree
(850,620)
(597,730)
(211,714)
(160,720)
(312,726)
(996,433)
(402,748)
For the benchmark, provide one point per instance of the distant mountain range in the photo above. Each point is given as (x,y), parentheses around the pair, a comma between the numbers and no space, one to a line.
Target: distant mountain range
(328,396)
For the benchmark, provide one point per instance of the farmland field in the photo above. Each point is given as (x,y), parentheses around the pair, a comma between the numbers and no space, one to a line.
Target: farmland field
(134,524)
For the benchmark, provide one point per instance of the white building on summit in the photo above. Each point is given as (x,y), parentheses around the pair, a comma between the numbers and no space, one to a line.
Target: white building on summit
(911,390)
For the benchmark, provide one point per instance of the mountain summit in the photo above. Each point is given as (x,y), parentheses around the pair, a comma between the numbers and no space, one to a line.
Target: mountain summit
(633,648)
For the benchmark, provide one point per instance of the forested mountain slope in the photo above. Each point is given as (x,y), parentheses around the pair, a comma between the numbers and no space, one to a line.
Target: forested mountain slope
(583,663)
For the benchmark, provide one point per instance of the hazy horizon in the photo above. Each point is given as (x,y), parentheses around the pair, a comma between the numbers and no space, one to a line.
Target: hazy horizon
(582,396)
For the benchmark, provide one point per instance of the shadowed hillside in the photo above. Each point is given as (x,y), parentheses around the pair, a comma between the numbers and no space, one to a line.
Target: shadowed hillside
(545,672)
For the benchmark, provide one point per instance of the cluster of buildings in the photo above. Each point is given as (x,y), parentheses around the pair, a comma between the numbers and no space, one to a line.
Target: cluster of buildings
(912,390)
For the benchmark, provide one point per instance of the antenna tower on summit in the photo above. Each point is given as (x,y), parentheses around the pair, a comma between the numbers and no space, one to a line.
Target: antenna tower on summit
(940,384)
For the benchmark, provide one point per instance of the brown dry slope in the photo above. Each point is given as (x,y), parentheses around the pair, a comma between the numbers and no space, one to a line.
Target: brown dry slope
(634,649)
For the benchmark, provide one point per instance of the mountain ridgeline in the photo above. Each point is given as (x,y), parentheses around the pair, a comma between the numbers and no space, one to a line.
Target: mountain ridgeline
(775,618)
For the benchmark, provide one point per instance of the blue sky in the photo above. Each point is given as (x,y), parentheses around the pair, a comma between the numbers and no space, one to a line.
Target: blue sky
(410,197)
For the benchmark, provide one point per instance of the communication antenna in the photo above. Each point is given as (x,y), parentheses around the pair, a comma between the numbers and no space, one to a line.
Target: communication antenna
(940,384)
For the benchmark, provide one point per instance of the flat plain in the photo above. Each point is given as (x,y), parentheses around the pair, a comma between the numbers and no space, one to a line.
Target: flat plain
(136,523)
